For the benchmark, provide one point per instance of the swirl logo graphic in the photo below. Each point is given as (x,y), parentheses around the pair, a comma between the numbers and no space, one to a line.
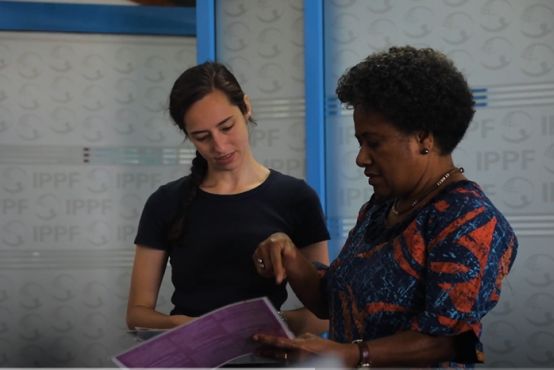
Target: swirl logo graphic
(539,310)
(29,65)
(155,99)
(269,78)
(496,53)
(95,295)
(538,60)
(496,15)
(342,30)
(235,36)
(539,268)
(156,68)
(153,129)
(93,128)
(541,344)
(13,180)
(268,41)
(517,126)
(63,319)
(459,26)
(125,123)
(130,206)
(378,7)
(383,33)
(502,329)
(47,207)
(537,21)
(95,98)
(518,192)
(125,91)
(64,287)
(93,67)
(63,120)
(269,11)
(99,180)
(60,90)
(32,295)
(28,96)
(125,60)
(61,58)
(418,21)
(12,233)
(99,233)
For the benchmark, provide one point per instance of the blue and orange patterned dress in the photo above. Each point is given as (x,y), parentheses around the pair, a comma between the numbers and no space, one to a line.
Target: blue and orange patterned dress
(438,272)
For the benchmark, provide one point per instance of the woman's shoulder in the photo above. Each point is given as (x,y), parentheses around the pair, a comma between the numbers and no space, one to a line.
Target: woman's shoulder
(461,202)
(171,189)
(463,194)
(287,182)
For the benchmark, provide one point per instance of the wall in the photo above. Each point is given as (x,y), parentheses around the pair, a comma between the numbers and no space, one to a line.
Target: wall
(84,139)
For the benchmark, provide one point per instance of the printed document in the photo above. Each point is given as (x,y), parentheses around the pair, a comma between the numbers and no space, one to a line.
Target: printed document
(210,340)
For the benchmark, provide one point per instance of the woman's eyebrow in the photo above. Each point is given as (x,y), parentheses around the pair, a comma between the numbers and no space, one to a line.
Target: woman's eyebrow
(218,124)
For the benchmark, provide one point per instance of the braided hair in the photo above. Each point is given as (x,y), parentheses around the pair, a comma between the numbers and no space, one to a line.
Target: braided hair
(191,86)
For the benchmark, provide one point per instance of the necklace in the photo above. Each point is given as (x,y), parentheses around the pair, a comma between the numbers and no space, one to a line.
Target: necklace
(441,181)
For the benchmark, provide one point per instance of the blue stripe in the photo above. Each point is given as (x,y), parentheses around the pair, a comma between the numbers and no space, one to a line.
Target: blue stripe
(92,18)
(205,31)
(479,90)
(314,93)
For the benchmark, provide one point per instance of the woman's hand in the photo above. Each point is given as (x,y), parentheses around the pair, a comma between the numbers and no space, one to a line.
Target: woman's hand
(305,347)
(273,255)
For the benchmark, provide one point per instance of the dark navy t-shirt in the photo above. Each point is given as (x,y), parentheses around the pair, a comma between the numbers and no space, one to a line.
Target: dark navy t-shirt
(212,265)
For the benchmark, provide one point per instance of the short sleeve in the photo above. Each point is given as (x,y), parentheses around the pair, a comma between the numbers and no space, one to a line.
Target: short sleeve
(153,225)
(467,258)
(309,220)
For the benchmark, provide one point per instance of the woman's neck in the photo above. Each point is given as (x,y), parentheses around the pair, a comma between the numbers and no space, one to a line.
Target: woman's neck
(246,177)
(433,183)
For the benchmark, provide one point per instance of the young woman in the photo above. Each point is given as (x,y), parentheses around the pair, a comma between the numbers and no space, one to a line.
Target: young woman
(209,223)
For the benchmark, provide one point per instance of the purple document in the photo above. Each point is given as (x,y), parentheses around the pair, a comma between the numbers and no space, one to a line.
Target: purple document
(210,340)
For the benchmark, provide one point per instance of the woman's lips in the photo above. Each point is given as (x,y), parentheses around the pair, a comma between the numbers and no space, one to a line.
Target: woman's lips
(224,159)
(372,177)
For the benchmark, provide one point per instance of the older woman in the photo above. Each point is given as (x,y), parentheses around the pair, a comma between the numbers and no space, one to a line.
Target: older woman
(427,257)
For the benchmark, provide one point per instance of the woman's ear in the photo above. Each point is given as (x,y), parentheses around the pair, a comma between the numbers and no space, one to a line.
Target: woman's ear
(426,141)
(248,106)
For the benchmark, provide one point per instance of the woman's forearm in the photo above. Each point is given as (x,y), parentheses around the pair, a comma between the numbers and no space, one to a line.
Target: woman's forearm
(302,320)
(410,348)
(144,317)
(306,283)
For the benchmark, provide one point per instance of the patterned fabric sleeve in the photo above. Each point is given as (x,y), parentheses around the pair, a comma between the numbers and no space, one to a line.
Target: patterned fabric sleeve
(467,258)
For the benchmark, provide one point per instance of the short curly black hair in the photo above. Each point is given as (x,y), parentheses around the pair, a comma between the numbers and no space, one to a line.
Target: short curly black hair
(414,89)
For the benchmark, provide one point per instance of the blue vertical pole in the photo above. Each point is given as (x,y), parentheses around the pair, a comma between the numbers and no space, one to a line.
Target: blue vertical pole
(205,30)
(314,93)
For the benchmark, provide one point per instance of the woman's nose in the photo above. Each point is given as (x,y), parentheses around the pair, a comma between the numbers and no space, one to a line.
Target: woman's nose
(218,142)
(363,158)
